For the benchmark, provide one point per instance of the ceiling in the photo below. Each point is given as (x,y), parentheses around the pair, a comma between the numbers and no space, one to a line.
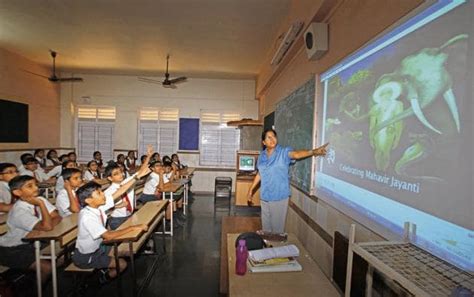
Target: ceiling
(205,38)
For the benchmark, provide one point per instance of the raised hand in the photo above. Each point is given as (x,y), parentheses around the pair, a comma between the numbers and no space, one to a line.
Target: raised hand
(321,151)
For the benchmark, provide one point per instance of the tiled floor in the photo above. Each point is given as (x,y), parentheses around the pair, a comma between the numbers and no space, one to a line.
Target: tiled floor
(190,266)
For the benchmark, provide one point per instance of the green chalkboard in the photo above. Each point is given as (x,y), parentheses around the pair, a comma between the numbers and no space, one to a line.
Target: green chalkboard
(294,125)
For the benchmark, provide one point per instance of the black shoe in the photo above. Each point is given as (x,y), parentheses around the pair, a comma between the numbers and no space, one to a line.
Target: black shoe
(104,276)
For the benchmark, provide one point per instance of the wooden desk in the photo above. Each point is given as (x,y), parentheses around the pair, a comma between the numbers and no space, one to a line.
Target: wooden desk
(149,214)
(233,225)
(187,172)
(63,233)
(309,282)
(3,223)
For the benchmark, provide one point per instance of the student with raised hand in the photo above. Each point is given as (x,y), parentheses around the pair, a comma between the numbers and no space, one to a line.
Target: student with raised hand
(52,158)
(29,213)
(154,183)
(90,251)
(126,206)
(92,172)
(66,200)
(7,172)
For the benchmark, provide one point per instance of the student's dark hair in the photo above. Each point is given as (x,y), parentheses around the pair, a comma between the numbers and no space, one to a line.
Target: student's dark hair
(264,133)
(155,155)
(86,191)
(131,152)
(95,153)
(48,155)
(90,163)
(166,159)
(167,163)
(25,156)
(29,160)
(120,156)
(18,181)
(72,153)
(111,167)
(142,158)
(37,151)
(61,158)
(173,155)
(154,162)
(68,172)
(64,164)
(4,166)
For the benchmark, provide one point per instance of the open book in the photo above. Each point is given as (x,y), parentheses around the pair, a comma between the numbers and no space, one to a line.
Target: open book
(275,252)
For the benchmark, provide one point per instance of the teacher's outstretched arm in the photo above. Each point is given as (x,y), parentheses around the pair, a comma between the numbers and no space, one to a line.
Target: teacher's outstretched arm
(256,181)
(301,154)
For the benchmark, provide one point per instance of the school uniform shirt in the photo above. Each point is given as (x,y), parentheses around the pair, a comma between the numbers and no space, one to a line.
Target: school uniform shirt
(130,195)
(63,203)
(22,218)
(88,176)
(53,162)
(41,161)
(152,182)
(5,194)
(166,177)
(90,227)
(55,172)
(130,163)
(39,173)
(59,184)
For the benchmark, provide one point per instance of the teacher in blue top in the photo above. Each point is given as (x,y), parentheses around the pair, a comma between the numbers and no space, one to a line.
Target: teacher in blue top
(273,173)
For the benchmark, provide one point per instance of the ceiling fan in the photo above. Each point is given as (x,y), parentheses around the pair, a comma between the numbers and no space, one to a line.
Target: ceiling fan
(167,83)
(54,78)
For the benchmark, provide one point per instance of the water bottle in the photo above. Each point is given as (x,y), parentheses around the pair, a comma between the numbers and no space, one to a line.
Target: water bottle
(241,255)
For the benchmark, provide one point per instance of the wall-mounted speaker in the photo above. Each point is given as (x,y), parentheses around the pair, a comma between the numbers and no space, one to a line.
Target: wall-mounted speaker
(316,40)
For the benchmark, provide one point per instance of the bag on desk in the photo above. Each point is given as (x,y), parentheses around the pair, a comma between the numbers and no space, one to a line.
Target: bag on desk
(252,239)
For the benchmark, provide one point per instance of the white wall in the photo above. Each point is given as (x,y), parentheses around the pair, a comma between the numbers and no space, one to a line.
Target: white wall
(128,94)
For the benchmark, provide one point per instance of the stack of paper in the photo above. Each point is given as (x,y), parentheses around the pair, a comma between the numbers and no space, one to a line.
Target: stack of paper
(278,259)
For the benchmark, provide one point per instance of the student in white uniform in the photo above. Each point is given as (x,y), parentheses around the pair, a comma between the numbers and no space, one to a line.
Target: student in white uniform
(7,172)
(39,155)
(52,158)
(66,200)
(92,171)
(114,173)
(90,252)
(29,213)
(31,168)
(60,181)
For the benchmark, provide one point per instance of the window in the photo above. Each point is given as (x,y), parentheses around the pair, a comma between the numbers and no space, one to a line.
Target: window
(95,132)
(158,127)
(219,143)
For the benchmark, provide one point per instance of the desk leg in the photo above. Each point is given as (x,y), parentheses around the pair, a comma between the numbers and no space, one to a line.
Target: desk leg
(53,266)
(350,257)
(38,267)
(117,267)
(164,234)
(132,263)
(369,280)
(172,213)
(185,197)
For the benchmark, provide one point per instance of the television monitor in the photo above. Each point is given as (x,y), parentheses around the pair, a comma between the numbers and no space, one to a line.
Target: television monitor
(246,163)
